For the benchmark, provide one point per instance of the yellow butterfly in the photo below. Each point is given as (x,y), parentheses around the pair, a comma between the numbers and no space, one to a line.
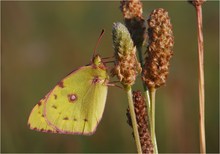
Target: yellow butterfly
(76,104)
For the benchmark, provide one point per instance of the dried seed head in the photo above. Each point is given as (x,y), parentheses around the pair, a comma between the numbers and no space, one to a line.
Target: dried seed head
(131,8)
(142,121)
(196,2)
(134,21)
(126,66)
(159,50)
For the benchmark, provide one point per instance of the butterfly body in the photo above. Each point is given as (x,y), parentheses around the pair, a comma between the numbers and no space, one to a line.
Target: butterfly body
(76,104)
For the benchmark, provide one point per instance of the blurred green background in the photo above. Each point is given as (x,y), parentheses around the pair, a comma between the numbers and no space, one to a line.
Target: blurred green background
(44,41)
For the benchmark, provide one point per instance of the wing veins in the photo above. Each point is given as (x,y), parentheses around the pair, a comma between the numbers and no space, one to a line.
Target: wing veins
(90,91)
(55,124)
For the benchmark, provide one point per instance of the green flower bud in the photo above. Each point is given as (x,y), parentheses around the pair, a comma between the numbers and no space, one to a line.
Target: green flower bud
(126,66)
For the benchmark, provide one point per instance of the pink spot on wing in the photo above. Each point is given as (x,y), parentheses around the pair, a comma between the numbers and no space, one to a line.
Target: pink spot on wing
(49,131)
(60,84)
(72,98)
(39,103)
(96,80)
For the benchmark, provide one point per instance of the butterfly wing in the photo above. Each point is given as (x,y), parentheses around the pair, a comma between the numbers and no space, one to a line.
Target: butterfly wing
(76,104)
(37,119)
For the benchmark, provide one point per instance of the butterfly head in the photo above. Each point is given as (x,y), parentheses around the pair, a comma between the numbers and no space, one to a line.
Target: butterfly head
(97,62)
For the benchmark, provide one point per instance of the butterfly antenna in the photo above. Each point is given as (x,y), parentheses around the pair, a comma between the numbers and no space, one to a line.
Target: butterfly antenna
(94,52)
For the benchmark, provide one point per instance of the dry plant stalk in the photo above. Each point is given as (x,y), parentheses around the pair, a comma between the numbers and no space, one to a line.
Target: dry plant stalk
(198,6)
(142,121)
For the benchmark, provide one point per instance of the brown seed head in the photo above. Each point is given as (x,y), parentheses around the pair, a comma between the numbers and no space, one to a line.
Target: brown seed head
(159,50)
(131,8)
(134,21)
(142,121)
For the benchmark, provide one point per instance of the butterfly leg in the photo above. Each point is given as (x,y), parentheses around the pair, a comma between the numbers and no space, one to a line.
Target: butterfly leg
(112,84)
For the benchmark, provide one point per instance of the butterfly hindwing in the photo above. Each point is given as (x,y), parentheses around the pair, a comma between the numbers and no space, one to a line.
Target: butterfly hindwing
(76,104)
(37,119)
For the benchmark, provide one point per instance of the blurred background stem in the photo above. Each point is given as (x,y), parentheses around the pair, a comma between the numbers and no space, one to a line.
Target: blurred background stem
(133,120)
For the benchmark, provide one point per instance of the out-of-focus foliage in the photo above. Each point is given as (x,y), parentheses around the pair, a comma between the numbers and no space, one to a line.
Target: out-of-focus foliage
(43,41)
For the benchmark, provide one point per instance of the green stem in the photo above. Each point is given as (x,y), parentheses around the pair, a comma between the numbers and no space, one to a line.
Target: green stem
(133,120)
(146,91)
(139,50)
(152,119)
(146,94)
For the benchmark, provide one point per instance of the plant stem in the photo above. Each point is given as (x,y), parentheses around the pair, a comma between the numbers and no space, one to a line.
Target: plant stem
(139,50)
(147,97)
(201,80)
(146,91)
(152,119)
(133,120)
